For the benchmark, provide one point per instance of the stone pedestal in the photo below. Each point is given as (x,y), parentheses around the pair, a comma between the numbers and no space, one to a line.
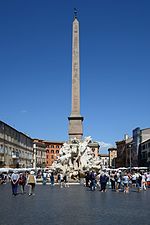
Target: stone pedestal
(75,127)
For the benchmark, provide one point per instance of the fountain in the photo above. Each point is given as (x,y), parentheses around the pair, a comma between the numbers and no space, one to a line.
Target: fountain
(75,156)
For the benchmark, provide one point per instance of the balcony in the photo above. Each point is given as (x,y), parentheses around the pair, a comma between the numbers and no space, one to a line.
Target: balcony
(15,155)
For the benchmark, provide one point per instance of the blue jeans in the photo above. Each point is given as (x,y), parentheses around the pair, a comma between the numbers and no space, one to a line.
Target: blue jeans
(52,182)
(44,180)
(92,185)
(14,188)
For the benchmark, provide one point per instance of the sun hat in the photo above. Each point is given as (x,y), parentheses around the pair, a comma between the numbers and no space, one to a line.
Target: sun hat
(32,172)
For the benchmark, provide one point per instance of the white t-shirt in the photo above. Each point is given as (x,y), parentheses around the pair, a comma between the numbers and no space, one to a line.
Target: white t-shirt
(148,177)
(44,175)
(143,178)
(125,179)
(134,177)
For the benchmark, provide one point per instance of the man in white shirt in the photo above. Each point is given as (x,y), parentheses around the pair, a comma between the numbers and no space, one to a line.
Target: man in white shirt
(14,182)
(126,183)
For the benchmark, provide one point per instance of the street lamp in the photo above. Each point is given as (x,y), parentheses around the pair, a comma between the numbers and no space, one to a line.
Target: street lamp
(130,161)
(130,155)
(114,163)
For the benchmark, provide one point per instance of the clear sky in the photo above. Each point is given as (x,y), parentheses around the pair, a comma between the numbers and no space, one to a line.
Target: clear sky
(35,66)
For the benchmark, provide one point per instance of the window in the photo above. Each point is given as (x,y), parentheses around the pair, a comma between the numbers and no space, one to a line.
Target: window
(5,136)
(144,155)
(9,151)
(57,146)
(52,151)
(1,149)
(47,162)
(52,156)
(52,146)
(47,151)
(47,156)
(57,151)
(6,149)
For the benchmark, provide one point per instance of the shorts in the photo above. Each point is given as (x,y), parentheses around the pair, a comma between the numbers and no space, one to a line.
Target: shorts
(125,184)
(133,181)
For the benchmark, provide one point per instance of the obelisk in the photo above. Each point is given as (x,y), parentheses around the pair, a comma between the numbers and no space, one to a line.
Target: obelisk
(75,119)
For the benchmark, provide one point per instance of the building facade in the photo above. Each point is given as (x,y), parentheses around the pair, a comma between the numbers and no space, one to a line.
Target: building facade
(104,158)
(16,148)
(52,151)
(124,154)
(129,150)
(145,153)
(39,153)
(95,147)
(112,157)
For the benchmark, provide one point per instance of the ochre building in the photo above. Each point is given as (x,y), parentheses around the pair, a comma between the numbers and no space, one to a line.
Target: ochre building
(52,151)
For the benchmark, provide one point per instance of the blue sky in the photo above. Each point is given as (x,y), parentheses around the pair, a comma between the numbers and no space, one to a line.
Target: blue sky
(35,66)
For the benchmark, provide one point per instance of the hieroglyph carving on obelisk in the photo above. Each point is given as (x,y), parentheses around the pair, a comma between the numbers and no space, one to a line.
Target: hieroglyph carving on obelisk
(75,119)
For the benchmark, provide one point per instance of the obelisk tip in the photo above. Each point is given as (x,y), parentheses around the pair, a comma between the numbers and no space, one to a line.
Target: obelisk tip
(75,13)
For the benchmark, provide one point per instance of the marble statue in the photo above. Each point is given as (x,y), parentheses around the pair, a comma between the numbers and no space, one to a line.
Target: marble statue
(76,155)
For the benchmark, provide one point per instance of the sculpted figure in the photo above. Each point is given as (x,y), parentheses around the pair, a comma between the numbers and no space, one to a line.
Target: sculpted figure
(75,155)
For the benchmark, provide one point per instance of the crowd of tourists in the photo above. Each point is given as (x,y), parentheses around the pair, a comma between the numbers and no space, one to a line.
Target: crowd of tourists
(20,181)
(116,180)
(60,178)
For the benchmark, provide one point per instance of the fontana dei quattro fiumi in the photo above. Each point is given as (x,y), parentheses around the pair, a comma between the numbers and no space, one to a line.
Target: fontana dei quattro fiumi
(76,154)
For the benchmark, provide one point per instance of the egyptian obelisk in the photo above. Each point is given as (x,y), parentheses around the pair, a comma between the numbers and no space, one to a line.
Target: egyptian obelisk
(75,119)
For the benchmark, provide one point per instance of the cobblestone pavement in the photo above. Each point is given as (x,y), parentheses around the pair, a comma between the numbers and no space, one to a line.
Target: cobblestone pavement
(75,205)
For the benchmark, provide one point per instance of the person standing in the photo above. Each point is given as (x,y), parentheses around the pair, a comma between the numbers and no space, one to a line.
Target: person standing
(112,180)
(31,182)
(139,179)
(52,179)
(103,182)
(14,182)
(22,182)
(44,175)
(134,179)
(87,179)
(143,182)
(118,182)
(58,178)
(126,183)
(65,178)
(148,179)
(61,180)
(92,181)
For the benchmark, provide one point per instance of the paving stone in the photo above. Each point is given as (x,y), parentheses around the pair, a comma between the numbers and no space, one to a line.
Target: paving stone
(75,205)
